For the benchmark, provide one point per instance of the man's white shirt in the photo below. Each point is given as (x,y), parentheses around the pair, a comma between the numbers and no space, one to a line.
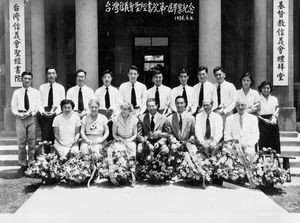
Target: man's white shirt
(190,93)
(114,97)
(209,92)
(165,96)
(228,96)
(87,95)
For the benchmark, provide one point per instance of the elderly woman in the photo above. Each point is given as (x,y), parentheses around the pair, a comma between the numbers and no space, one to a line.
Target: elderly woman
(94,129)
(66,129)
(267,116)
(124,127)
(247,94)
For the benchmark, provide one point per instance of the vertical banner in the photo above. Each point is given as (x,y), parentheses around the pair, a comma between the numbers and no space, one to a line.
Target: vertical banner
(16,41)
(280,42)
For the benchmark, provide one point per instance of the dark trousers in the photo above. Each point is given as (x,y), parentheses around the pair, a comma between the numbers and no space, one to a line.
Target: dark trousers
(47,131)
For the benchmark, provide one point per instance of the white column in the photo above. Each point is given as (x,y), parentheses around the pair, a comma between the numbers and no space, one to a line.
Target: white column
(87,39)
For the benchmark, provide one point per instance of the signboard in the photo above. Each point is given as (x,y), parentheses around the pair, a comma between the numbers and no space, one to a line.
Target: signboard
(16,41)
(280,42)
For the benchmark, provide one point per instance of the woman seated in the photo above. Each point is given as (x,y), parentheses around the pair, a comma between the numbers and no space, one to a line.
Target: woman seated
(124,128)
(94,129)
(268,115)
(66,129)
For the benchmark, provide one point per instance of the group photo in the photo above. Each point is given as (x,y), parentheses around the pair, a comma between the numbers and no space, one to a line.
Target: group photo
(157,110)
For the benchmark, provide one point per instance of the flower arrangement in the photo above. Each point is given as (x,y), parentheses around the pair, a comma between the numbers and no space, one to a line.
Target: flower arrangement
(118,167)
(47,167)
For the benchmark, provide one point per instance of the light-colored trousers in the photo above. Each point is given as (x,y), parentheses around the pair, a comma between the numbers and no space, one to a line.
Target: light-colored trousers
(26,135)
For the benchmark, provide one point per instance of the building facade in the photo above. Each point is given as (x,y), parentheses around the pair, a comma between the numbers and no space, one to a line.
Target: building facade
(97,35)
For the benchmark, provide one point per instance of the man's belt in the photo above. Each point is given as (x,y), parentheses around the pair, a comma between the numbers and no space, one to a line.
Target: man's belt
(22,111)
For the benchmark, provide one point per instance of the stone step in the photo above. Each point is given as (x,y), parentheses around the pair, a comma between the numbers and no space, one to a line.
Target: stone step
(5,168)
(9,150)
(8,141)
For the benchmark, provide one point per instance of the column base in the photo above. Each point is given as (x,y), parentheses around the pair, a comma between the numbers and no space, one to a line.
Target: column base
(287,119)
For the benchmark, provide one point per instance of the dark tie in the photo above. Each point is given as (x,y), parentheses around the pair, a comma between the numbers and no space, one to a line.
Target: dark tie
(157,98)
(80,101)
(152,124)
(241,122)
(50,97)
(180,122)
(207,132)
(26,101)
(219,94)
(107,99)
(184,96)
(133,96)
(201,96)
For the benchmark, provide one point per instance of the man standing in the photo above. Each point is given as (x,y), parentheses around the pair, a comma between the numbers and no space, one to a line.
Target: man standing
(243,127)
(204,89)
(80,94)
(107,95)
(52,94)
(134,92)
(25,104)
(185,91)
(209,125)
(161,93)
(181,125)
(225,94)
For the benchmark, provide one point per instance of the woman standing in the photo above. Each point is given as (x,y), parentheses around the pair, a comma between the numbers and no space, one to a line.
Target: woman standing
(94,129)
(268,115)
(247,94)
(66,129)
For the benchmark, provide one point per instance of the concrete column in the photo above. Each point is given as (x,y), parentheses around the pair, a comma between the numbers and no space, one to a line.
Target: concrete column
(38,42)
(210,34)
(87,40)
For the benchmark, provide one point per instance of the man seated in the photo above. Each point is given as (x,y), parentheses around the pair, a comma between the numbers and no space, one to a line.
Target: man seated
(181,125)
(209,125)
(243,127)
(152,121)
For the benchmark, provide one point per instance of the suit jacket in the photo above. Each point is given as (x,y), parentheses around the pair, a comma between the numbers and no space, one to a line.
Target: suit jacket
(145,129)
(249,135)
(188,126)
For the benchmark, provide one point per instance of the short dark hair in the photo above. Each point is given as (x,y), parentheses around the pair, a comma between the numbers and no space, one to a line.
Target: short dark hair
(155,71)
(49,68)
(65,102)
(106,72)
(247,75)
(178,97)
(217,69)
(150,100)
(264,83)
(26,73)
(182,71)
(79,71)
(133,67)
(202,68)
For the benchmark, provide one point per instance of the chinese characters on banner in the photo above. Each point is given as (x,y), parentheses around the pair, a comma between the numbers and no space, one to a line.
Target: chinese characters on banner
(181,11)
(280,42)
(16,41)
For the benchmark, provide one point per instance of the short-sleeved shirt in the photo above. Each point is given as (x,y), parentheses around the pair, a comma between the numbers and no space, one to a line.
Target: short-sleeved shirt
(267,106)
(66,127)
(251,98)
(96,127)
(125,129)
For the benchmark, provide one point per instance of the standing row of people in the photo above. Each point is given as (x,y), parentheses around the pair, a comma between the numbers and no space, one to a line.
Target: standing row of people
(28,104)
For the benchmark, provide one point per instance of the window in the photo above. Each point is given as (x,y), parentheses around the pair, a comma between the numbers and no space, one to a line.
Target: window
(152,61)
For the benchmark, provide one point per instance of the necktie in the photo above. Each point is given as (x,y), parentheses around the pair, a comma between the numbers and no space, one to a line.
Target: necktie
(201,96)
(241,122)
(219,94)
(133,96)
(80,101)
(107,99)
(26,101)
(50,97)
(157,98)
(152,124)
(184,96)
(180,122)
(208,131)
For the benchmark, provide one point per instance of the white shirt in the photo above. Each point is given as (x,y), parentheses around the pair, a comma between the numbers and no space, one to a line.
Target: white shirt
(114,97)
(267,106)
(140,92)
(190,94)
(216,126)
(59,94)
(251,98)
(248,135)
(164,95)
(228,97)
(87,95)
(209,92)
(17,101)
